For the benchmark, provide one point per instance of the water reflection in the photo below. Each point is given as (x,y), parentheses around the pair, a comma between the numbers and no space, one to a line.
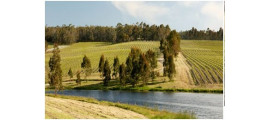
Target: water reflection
(204,105)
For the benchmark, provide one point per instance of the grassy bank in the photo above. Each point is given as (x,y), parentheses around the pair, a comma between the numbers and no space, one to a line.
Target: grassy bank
(148,112)
(145,88)
(97,84)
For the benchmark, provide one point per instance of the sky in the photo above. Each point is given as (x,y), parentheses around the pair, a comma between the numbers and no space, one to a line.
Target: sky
(179,15)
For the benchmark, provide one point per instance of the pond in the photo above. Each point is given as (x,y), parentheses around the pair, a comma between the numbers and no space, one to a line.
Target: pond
(204,105)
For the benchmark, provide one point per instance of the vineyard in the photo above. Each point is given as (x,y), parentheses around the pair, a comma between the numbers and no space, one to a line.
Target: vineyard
(206,60)
(71,57)
(204,57)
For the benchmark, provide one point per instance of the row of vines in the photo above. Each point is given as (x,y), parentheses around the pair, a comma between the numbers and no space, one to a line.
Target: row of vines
(205,59)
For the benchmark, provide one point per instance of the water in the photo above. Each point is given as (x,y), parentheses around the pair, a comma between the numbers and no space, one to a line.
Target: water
(204,105)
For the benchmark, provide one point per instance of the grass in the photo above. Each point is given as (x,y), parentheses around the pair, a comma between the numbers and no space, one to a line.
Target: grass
(206,60)
(145,88)
(71,57)
(50,46)
(157,85)
(148,112)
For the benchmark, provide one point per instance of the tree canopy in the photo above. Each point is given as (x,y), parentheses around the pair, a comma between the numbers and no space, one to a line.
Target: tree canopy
(120,33)
(116,67)
(107,73)
(86,66)
(208,34)
(55,74)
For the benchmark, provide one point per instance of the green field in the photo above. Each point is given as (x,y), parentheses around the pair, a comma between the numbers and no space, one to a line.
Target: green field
(204,57)
(72,56)
(206,60)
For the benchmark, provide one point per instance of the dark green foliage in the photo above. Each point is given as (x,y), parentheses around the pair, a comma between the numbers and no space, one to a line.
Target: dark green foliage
(208,34)
(138,67)
(144,69)
(107,73)
(55,74)
(152,59)
(101,64)
(86,66)
(78,80)
(173,43)
(163,44)
(70,73)
(162,32)
(171,70)
(135,72)
(165,62)
(170,46)
(116,67)
(62,35)
(129,68)
(46,45)
(121,33)
(122,74)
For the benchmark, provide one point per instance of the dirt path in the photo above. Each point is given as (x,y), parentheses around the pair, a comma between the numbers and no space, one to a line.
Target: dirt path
(58,108)
(183,78)
(182,71)
(160,64)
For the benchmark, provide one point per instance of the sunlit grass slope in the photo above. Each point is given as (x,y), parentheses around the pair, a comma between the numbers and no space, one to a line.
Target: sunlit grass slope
(206,60)
(71,57)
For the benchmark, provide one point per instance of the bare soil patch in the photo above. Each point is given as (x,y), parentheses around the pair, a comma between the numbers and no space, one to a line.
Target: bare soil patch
(183,78)
(182,71)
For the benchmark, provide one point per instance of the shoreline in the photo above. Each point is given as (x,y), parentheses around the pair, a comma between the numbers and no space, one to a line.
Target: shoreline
(145,111)
(143,89)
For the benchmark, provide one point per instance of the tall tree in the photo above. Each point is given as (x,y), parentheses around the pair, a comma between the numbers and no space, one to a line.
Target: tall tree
(151,58)
(116,67)
(135,72)
(70,73)
(78,80)
(129,68)
(106,73)
(165,62)
(163,44)
(101,64)
(86,66)
(144,69)
(174,43)
(171,70)
(55,74)
(122,74)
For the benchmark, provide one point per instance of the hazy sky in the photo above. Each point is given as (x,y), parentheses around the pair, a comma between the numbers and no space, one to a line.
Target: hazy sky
(180,15)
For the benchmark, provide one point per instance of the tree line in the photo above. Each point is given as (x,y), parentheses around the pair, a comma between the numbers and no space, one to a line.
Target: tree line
(138,67)
(194,34)
(68,34)
(55,72)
